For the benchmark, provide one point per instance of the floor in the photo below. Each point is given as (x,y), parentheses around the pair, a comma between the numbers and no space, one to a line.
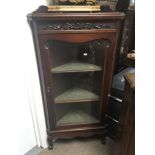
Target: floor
(91,146)
(34,151)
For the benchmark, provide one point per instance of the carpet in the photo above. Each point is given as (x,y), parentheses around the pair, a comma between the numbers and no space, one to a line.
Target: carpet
(91,146)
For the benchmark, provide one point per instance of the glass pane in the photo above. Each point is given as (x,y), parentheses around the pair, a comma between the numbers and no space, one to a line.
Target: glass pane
(81,113)
(77,74)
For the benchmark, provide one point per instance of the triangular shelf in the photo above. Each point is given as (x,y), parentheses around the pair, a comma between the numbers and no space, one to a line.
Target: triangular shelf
(76,95)
(76,67)
(76,117)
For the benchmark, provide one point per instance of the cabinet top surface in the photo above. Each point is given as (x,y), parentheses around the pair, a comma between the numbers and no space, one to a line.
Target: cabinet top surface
(82,16)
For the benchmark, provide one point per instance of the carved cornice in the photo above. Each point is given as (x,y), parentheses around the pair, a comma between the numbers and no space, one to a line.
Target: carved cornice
(74,26)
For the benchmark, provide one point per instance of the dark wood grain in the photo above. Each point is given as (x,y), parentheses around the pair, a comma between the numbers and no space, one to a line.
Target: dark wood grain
(46,55)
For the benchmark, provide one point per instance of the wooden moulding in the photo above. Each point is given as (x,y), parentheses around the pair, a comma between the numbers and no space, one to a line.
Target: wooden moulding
(80,130)
(74,8)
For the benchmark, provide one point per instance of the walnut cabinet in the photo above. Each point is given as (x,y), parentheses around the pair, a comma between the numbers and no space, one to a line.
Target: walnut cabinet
(76,55)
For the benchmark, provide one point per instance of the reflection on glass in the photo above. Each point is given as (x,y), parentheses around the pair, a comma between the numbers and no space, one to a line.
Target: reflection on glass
(77,71)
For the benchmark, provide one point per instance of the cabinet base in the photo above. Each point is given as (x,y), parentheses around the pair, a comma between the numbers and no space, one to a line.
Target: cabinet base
(78,132)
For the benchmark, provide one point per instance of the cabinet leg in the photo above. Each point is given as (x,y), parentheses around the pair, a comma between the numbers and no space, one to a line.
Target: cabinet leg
(50,142)
(50,146)
(103,140)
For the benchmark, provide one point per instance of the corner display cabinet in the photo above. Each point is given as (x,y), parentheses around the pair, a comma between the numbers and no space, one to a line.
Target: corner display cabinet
(76,55)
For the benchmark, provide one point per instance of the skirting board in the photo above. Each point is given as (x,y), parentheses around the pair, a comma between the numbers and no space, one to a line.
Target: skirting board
(34,151)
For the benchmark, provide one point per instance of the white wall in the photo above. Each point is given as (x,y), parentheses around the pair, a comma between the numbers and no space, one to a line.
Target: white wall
(132,2)
(20,98)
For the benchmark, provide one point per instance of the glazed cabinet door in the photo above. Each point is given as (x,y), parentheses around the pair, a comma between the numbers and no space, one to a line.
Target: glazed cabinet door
(77,69)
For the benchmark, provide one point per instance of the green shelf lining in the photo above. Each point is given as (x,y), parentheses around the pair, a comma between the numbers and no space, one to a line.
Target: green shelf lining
(76,95)
(76,117)
(76,66)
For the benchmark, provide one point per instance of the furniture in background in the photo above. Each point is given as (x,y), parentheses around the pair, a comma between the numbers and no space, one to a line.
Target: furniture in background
(115,101)
(76,57)
(122,5)
(125,140)
(124,65)
(127,43)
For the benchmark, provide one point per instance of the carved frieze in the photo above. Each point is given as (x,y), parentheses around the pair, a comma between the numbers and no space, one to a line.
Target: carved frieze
(74,26)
